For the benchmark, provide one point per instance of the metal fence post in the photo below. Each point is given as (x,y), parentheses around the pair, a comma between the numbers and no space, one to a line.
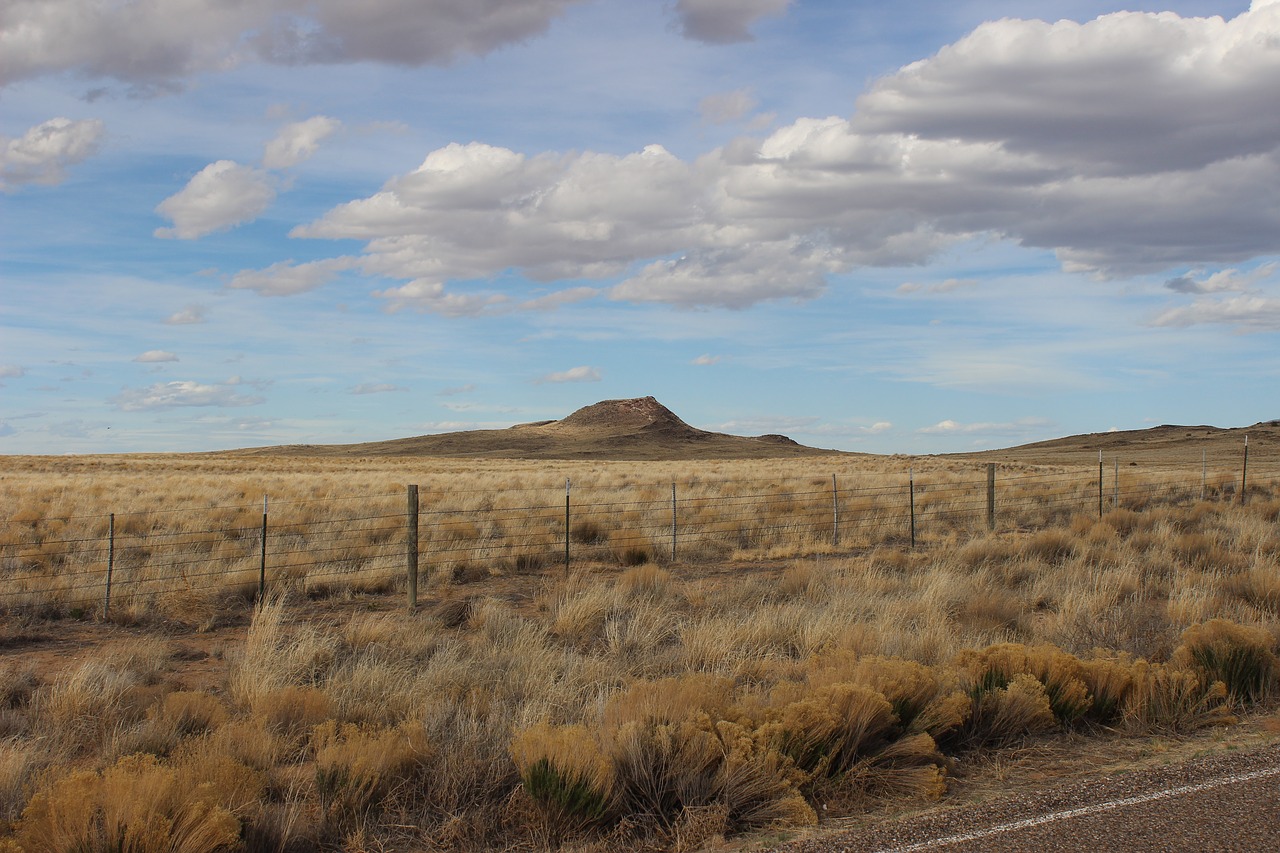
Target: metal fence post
(673,521)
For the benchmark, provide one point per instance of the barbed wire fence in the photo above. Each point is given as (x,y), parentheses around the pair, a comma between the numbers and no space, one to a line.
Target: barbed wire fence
(379,543)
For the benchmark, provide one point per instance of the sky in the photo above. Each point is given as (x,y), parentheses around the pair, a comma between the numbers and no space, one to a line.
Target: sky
(918,227)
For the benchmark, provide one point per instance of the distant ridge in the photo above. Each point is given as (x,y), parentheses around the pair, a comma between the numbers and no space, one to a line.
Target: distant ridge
(1167,443)
(638,428)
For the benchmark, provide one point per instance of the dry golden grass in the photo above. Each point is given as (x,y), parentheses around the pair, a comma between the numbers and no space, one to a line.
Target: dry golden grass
(765,672)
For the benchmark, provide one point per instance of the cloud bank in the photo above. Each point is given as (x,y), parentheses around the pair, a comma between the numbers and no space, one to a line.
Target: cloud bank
(153,45)
(1133,143)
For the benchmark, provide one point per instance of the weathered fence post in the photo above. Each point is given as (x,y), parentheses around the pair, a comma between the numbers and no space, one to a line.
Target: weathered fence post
(1099,484)
(991,496)
(411,547)
(1115,484)
(1244,473)
(262,565)
(911,488)
(566,527)
(835,513)
(111,562)
(1204,472)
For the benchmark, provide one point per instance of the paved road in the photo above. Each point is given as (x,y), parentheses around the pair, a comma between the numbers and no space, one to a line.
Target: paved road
(1225,802)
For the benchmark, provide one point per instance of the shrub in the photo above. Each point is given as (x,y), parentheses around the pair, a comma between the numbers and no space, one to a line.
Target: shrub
(357,767)
(1168,698)
(1059,673)
(566,775)
(826,733)
(666,770)
(1109,680)
(138,805)
(1242,658)
(1006,710)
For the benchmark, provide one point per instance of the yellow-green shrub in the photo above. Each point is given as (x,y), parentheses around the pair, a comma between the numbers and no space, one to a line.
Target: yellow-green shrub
(1242,658)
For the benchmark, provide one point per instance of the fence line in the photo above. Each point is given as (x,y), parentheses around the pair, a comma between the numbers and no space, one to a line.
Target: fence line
(380,546)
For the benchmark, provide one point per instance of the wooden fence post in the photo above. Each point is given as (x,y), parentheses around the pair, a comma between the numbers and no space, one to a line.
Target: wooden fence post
(566,527)
(835,513)
(262,565)
(911,487)
(991,496)
(1099,484)
(1244,473)
(411,546)
(111,563)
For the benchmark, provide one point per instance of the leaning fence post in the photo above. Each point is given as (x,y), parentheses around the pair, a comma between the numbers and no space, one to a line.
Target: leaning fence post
(262,565)
(111,563)
(411,546)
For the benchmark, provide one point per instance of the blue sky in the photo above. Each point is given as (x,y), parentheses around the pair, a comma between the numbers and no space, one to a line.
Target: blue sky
(897,228)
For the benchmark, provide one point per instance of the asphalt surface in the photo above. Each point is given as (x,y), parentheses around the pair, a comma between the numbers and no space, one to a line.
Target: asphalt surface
(1225,802)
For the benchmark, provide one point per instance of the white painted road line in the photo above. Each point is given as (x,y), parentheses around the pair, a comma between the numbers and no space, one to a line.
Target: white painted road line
(1097,808)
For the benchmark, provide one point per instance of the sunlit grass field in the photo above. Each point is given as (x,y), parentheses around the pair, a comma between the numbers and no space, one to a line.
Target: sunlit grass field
(797,656)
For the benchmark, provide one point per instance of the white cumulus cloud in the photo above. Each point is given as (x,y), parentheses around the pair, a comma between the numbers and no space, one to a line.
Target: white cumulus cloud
(43,154)
(220,196)
(573,374)
(155,356)
(298,141)
(1133,143)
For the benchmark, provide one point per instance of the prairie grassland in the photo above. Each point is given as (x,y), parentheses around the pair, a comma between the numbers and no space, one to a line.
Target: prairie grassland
(778,669)
(183,535)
